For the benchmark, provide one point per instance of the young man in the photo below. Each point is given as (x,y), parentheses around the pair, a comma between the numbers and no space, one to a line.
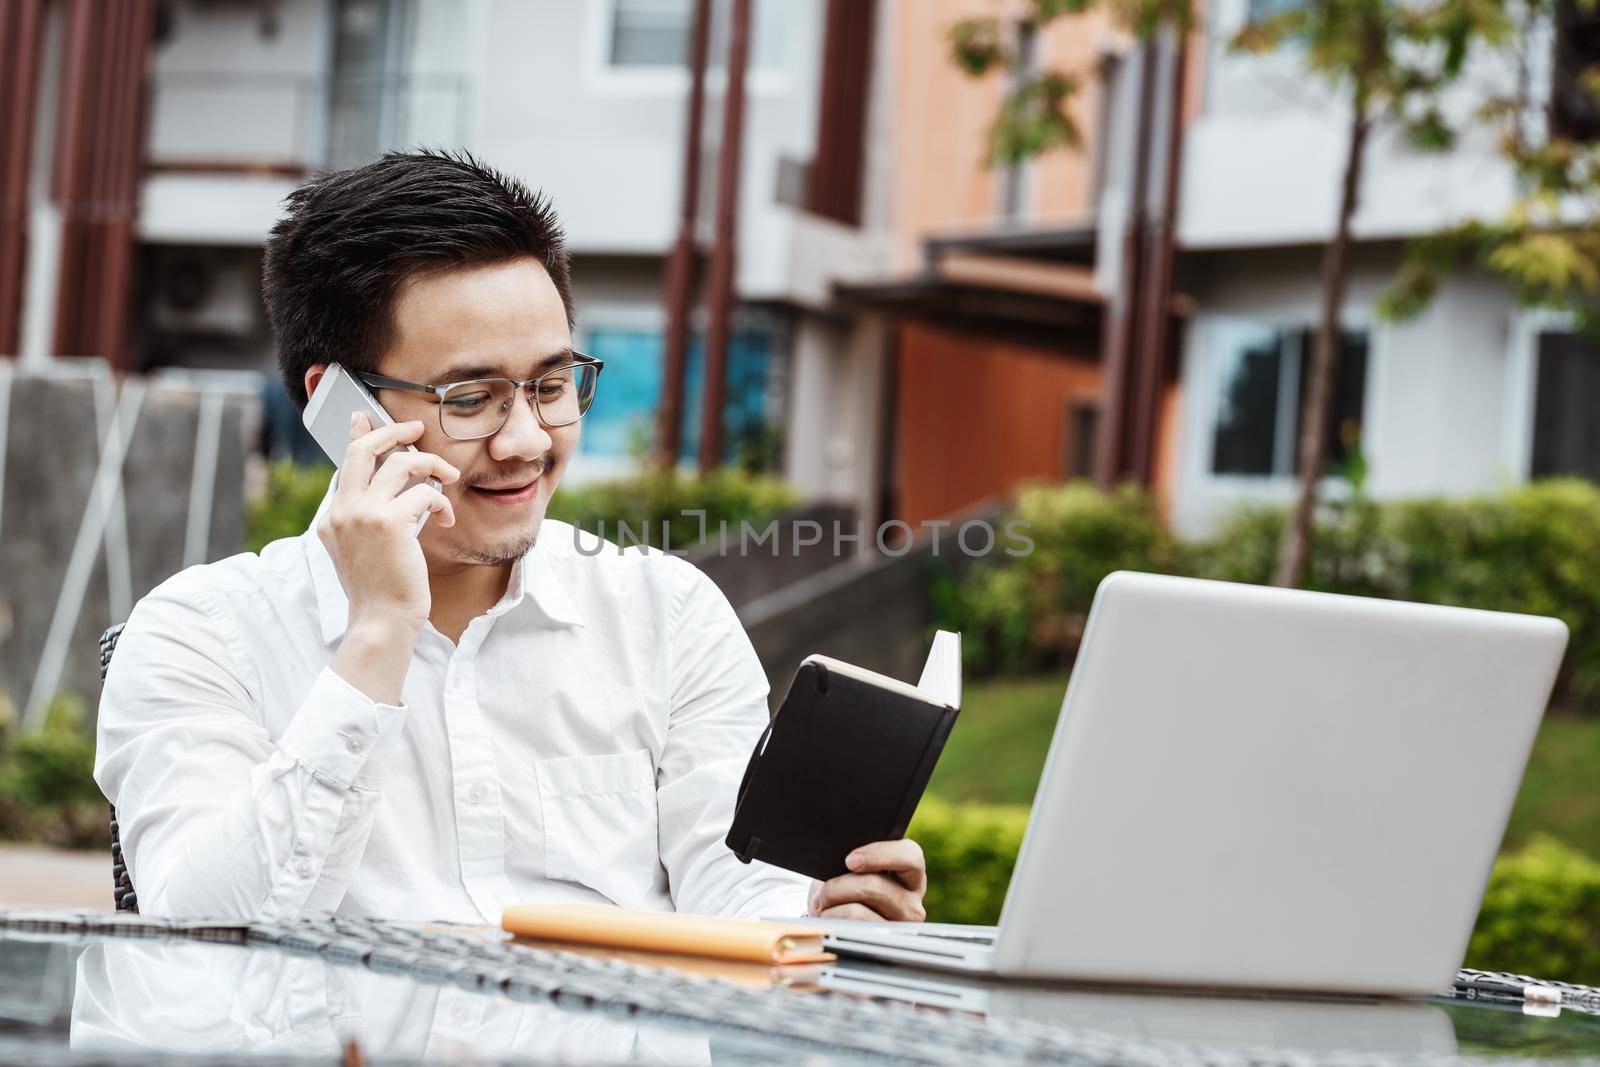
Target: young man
(497,711)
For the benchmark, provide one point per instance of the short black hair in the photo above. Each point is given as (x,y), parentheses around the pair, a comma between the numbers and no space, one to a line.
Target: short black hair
(334,262)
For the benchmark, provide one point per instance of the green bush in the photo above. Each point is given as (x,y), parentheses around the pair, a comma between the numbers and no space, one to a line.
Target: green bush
(653,500)
(642,502)
(287,505)
(1526,550)
(47,790)
(1530,550)
(1540,914)
(970,850)
(1019,613)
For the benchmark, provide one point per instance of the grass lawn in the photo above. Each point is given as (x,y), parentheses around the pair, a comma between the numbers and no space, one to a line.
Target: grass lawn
(997,751)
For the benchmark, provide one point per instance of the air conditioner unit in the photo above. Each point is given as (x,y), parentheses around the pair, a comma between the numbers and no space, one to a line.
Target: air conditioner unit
(205,291)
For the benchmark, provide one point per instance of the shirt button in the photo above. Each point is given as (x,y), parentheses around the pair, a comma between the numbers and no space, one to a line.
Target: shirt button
(303,868)
(459,1014)
(476,793)
(355,743)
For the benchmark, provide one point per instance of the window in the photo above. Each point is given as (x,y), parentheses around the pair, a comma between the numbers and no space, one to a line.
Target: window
(1262,10)
(1574,112)
(622,421)
(1083,422)
(1566,433)
(1262,385)
(655,33)
(650,33)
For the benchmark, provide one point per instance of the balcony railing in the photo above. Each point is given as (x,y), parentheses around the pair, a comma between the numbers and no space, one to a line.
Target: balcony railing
(291,124)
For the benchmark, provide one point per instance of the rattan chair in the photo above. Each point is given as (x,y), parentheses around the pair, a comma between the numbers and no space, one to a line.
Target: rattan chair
(122,884)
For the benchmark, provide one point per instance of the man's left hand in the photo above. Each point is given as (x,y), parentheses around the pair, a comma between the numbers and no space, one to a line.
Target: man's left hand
(887,880)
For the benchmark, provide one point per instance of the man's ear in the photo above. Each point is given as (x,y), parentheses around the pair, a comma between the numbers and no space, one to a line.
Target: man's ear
(313,376)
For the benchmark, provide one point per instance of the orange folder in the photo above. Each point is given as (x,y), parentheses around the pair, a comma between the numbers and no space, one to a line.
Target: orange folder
(666,931)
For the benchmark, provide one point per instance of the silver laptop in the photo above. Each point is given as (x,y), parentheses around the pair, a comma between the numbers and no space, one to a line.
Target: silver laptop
(1262,789)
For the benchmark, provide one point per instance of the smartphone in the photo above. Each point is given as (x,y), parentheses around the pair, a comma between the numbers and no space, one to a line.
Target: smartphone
(327,416)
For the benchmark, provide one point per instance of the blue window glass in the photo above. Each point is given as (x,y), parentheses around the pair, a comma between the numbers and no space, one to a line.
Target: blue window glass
(622,420)
(623,416)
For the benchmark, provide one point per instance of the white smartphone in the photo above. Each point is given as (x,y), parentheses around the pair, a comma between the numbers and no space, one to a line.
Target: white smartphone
(327,416)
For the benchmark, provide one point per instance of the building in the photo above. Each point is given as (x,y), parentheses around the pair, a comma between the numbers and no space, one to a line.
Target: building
(997,321)
(913,332)
(1473,395)
(231,103)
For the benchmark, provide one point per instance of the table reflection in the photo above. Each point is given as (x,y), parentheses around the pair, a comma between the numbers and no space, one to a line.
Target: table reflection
(197,998)
(1391,1026)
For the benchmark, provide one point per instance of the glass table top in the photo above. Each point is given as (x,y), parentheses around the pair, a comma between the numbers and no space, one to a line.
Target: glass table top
(404,992)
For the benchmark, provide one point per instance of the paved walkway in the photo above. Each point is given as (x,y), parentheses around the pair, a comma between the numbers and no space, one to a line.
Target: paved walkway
(35,877)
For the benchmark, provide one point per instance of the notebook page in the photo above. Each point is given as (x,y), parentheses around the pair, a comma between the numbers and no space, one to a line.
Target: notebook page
(861,674)
(941,675)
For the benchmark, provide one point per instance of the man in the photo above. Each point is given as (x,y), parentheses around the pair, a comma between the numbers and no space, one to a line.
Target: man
(499,710)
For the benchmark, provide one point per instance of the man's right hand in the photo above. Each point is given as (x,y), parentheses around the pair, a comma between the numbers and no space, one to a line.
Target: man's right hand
(370,533)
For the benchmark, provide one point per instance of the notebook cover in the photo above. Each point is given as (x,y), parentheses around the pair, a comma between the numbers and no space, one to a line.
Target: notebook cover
(666,931)
(843,763)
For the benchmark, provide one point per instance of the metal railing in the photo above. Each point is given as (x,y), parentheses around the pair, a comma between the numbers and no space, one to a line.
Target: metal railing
(293,124)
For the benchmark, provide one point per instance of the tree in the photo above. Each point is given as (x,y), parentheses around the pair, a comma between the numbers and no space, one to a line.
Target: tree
(1546,245)
(1033,117)
(1389,61)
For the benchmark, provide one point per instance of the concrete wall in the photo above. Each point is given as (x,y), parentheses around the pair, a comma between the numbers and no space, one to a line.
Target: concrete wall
(55,429)
(874,611)
(1445,395)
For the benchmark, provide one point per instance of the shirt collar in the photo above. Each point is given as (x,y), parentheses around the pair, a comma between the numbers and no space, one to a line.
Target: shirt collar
(534,577)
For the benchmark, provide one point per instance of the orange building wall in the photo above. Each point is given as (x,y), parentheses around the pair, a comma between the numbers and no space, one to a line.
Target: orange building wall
(943,183)
(976,417)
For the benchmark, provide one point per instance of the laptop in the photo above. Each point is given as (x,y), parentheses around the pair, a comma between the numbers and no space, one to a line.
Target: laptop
(1264,789)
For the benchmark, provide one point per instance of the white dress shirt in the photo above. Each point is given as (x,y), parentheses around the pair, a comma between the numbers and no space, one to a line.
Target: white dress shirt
(583,742)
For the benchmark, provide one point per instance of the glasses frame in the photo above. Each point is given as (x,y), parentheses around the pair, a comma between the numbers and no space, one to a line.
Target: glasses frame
(379,381)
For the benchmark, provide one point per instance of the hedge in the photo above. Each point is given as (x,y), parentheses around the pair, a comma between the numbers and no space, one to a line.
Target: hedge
(47,789)
(642,502)
(1540,912)
(652,499)
(1531,549)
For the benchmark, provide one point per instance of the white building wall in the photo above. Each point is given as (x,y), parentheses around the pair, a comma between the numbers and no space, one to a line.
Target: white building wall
(239,84)
(606,142)
(1445,392)
(1447,405)
(235,85)
(1264,159)
(836,404)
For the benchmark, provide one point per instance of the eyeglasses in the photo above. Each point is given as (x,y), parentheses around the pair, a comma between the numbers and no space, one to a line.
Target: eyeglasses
(473,410)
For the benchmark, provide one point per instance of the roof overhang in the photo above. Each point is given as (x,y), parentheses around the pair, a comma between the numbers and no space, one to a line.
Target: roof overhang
(1028,316)
(1034,286)
(1064,244)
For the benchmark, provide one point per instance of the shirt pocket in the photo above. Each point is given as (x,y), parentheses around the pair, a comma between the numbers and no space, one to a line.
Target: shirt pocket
(600,823)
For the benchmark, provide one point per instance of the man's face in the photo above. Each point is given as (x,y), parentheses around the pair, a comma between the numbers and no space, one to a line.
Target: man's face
(502,321)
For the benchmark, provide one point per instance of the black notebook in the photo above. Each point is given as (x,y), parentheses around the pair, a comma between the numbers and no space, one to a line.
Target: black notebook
(844,761)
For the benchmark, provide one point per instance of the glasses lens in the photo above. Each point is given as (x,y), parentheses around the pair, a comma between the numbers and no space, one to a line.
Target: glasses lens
(565,393)
(475,409)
